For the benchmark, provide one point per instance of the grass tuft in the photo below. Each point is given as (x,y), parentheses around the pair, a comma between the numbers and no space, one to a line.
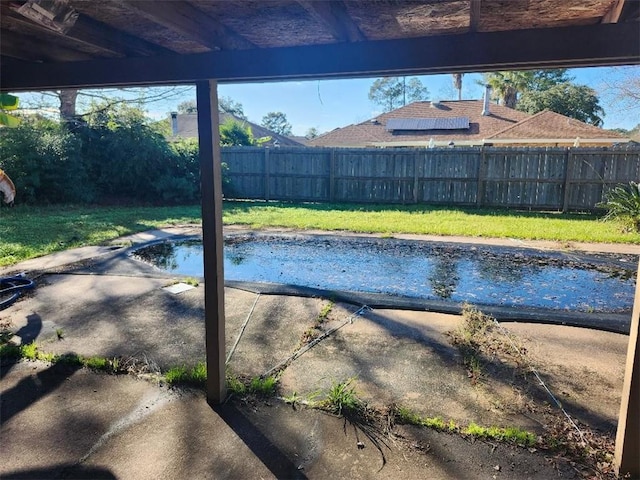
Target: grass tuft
(263,386)
(32,352)
(342,398)
(196,375)
(512,435)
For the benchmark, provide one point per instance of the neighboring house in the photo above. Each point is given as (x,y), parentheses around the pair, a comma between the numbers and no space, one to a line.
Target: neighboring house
(466,123)
(185,125)
(301,140)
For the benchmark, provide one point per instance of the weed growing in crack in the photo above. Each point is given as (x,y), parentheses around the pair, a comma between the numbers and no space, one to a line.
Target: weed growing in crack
(71,359)
(292,399)
(234,385)
(512,435)
(479,338)
(342,398)
(196,375)
(9,350)
(315,330)
(261,386)
(406,416)
(32,352)
(29,351)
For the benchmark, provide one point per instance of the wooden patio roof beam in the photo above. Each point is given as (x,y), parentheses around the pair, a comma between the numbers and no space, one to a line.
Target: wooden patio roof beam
(335,17)
(602,44)
(187,20)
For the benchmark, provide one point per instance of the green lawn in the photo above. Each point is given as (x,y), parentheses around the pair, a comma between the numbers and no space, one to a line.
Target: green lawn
(27,232)
(429,220)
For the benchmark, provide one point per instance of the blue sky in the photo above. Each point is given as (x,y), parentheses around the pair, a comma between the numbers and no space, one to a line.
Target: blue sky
(329,104)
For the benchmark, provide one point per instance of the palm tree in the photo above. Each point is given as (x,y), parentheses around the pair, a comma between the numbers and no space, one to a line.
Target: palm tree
(457,83)
(507,85)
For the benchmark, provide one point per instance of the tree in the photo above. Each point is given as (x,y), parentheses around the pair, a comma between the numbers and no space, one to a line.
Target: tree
(536,90)
(545,79)
(457,83)
(188,106)
(311,133)
(621,87)
(68,98)
(574,101)
(276,122)
(75,104)
(506,86)
(394,92)
(236,134)
(228,105)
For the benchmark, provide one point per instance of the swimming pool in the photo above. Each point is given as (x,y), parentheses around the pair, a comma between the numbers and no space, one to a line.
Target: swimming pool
(426,270)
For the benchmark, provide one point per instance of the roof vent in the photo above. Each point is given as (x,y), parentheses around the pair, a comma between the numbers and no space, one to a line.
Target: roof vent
(487,101)
(174,124)
(435,103)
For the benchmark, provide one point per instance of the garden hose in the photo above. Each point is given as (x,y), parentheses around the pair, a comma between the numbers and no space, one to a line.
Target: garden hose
(12,287)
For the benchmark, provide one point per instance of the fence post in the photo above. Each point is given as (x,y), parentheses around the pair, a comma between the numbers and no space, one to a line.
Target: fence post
(266,174)
(568,171)
(332,175)
(482,173)
(415,178)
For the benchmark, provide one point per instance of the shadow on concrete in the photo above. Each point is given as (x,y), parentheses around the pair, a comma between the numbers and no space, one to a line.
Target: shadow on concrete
(28,333)
(62,471)
(31,330)
(269,454)
(31,389)
(496,371)
(605,321)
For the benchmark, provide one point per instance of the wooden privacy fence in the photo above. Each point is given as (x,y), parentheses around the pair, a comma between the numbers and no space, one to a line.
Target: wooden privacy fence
(536,178)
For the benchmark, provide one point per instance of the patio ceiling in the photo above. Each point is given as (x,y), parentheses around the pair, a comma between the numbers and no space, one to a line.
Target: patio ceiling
(125,42)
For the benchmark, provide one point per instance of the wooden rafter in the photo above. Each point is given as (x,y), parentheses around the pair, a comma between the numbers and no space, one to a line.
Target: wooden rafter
(335,17)
(474,15)
(90,32)
(187,20)
(613,15)
(19,46)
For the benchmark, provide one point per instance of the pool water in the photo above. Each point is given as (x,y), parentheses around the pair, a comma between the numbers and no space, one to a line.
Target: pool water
(425,270)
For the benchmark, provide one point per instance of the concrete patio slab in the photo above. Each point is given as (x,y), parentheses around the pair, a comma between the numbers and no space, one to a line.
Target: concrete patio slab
(64,423)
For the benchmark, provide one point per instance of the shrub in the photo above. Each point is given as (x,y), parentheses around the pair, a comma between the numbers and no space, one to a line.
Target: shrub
(623,203)
(116,156)
(44,160)
(125,159)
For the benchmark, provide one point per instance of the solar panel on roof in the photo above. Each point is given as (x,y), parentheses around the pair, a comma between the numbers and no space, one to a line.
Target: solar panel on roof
(453,123)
